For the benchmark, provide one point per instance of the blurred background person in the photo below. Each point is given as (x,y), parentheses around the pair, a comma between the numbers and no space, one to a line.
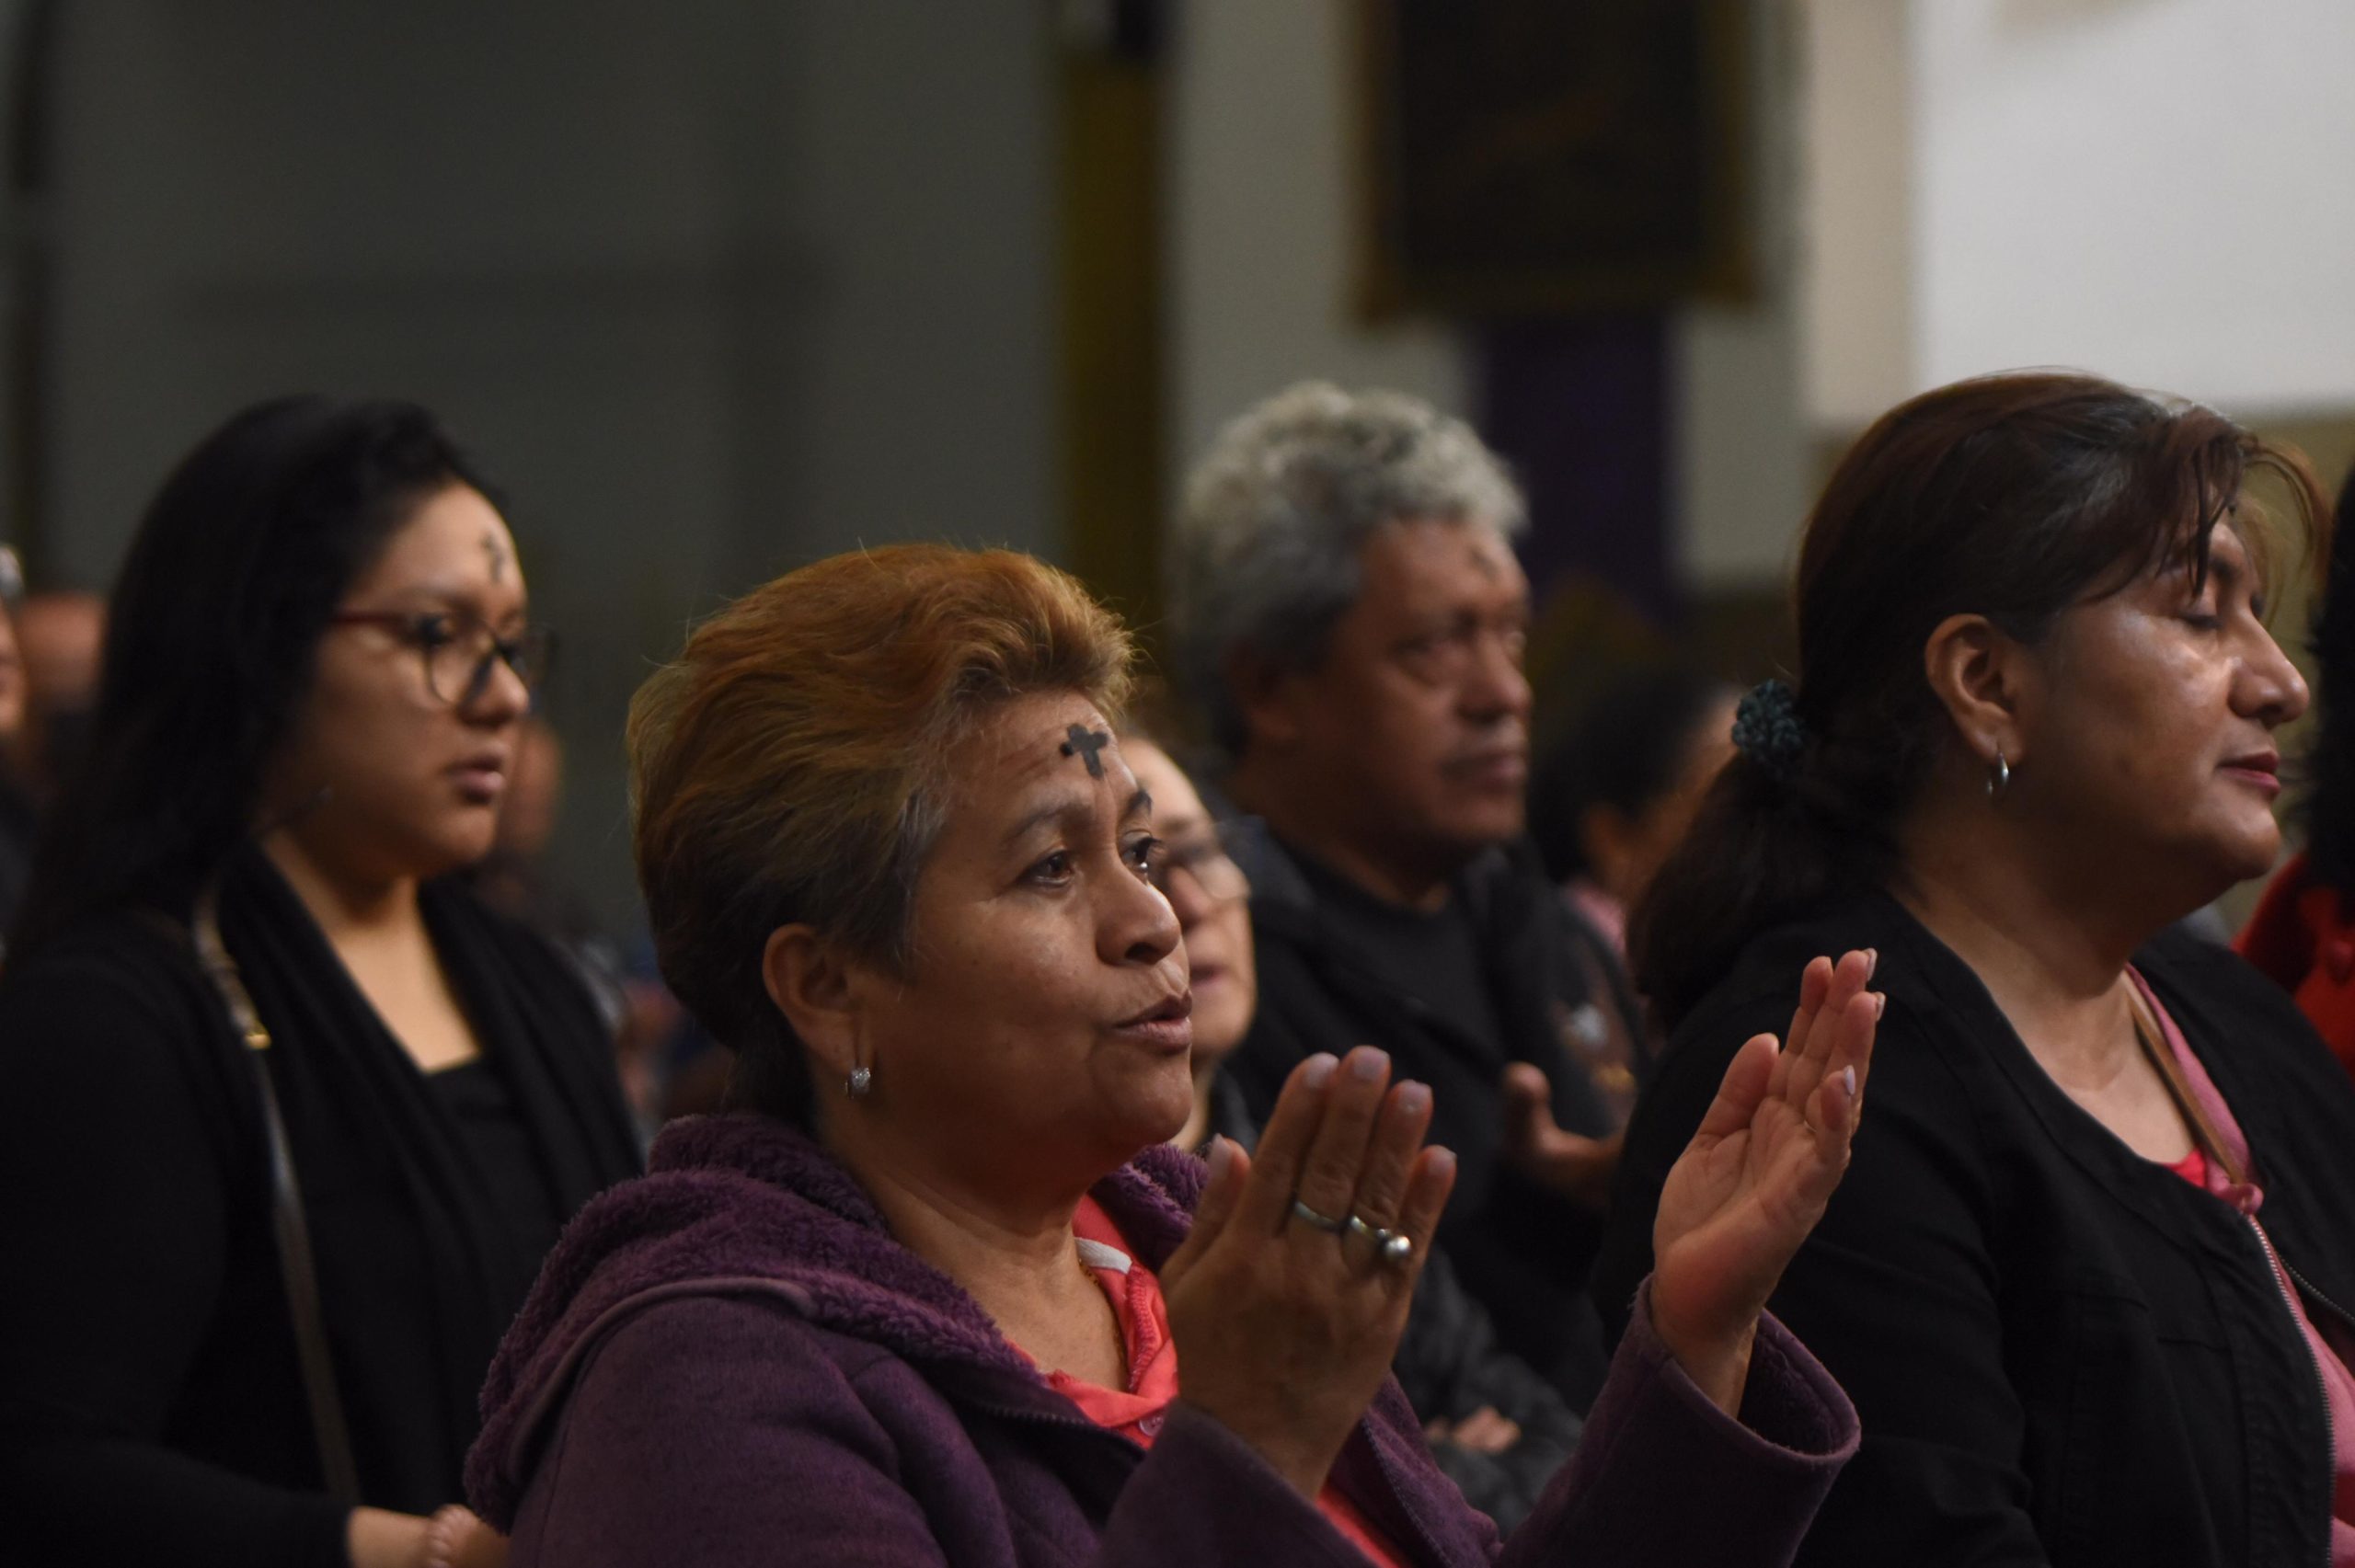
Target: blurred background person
(61,636)
(2303,932)
(1617,790)
(941,1293)
(49,672)
(1613,795)
(1350,621)
(290,1117)
(1496,1427)
(2083,1280)
(17,814)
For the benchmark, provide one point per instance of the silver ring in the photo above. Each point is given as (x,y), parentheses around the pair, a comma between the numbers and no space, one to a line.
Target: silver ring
(1357,1227)
(1325,1222)
(1396,1247)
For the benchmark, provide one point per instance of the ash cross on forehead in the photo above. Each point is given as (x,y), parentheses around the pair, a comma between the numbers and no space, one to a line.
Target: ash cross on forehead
(1084,743)
(498,553)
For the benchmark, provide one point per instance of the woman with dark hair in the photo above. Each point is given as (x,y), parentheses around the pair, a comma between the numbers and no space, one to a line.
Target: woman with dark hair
(2086,1282)
(2302,935)
(1617,792)
(1610,801)
(937,1292)
(286,1119)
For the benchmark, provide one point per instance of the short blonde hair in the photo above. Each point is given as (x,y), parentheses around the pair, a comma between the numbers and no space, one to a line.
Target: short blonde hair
(788,766)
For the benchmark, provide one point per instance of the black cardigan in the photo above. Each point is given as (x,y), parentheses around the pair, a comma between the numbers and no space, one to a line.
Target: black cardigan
(2061,1352)
(150,1406)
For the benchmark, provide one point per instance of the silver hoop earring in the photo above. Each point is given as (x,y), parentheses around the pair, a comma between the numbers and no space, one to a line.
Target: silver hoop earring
(861,1079)
(1999,777)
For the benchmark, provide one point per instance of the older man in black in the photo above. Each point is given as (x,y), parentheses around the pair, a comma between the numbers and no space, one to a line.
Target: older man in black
(1352,620)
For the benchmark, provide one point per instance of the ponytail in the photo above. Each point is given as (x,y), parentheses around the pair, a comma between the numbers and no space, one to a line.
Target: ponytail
(1780,833)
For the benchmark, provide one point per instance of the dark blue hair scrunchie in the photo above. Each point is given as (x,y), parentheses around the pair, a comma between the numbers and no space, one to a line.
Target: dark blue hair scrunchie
(1766,727)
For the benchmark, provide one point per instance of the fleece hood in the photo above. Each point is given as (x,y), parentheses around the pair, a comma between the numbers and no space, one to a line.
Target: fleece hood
(743,1204)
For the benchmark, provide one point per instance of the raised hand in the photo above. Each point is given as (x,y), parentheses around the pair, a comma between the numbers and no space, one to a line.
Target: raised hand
(1755,1178)
(1576,1168)
(1284,1312)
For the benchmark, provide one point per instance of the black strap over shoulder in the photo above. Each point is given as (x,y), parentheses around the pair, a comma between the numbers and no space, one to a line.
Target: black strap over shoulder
(296,1270)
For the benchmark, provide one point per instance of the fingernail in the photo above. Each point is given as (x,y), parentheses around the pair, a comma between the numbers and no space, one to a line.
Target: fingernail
(1367,1064)
(1442,1160)
(1320,1069)
(1848,1080)
(1414,1098)
(1221,1156)
(1880,1003)
(1872,961)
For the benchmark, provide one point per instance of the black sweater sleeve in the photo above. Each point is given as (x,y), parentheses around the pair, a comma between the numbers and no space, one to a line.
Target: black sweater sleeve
(113,1239)
(1449,1365)
(1894,1292)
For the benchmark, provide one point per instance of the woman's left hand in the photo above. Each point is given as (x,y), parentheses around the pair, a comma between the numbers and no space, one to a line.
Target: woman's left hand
(1754,1180)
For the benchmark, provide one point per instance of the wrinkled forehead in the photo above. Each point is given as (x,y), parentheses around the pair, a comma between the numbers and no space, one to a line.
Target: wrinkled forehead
(1036,748)
(1435,565)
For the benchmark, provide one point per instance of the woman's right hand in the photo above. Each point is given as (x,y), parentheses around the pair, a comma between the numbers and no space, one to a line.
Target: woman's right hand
(1285,1330)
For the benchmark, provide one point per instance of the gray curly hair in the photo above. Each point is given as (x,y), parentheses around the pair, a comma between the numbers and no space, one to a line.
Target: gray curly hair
(1265,553)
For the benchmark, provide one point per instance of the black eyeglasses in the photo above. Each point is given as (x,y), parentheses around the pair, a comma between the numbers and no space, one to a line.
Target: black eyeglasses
(1204,860)
(459,650)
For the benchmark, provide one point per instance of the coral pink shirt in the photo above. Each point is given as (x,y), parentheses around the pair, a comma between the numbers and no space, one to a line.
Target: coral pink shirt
(2338,1383)
(1136,1411)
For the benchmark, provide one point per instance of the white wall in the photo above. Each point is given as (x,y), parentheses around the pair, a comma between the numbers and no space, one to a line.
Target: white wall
(1855,246)
(2154,189)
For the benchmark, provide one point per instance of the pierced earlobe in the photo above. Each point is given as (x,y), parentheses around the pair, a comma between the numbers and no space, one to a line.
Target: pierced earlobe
(1999,777)
(861,1079)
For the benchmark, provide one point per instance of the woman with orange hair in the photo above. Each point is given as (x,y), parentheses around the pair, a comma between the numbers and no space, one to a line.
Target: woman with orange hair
(935,1293)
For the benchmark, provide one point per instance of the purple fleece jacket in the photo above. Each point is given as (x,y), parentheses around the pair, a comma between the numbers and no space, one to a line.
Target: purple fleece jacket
(730,1361)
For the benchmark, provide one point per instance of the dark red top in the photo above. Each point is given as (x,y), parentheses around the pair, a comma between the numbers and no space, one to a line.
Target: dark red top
(2302,938)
